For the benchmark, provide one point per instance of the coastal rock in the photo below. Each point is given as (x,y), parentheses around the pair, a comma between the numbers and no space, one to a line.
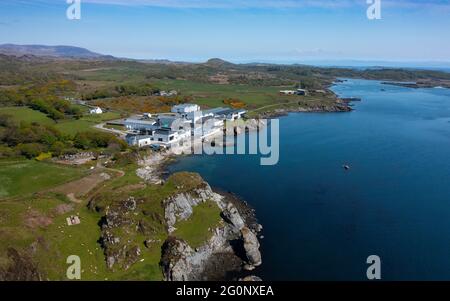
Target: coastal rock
(232,215)
(150,168)
(175,262)
(251,246)
(180,206)
(251,278)
(179,262)
(339,106)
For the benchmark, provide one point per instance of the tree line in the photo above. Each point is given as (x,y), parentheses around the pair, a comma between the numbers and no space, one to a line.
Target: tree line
(46,98)
(32,139)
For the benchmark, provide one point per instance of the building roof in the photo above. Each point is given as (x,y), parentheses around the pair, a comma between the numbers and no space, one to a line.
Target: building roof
(164,132)
(225,111)
(185,105)
(140,121)
(168,121)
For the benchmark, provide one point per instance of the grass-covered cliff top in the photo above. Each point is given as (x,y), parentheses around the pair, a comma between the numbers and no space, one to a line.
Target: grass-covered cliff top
(34,224)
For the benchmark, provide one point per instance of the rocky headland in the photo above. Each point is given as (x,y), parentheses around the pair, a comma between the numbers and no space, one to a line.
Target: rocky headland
(229,251)
(232,248)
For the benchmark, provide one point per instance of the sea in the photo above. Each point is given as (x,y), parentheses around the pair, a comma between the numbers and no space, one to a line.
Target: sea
(321,221)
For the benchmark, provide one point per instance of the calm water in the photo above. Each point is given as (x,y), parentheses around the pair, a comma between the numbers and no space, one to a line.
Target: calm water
(320,222)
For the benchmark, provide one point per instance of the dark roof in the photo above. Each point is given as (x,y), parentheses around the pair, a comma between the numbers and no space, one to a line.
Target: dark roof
(164,132)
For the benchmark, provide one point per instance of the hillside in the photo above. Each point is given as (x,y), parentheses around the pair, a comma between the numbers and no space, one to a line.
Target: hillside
(51,51)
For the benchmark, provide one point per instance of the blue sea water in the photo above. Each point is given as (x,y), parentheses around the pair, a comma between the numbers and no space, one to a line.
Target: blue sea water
(321,222)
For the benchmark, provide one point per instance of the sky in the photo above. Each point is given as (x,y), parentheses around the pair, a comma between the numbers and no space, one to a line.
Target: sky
(237,30)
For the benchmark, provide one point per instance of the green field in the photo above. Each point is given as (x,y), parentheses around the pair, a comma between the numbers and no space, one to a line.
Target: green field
(26,114)
(23,177)
(69,127)
(84,124)
(212,95)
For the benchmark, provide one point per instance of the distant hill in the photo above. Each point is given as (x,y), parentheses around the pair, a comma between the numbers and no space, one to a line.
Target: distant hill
(51,51)
(215,62)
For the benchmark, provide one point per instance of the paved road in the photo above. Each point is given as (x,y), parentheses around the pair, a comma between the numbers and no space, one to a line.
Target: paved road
(101,126)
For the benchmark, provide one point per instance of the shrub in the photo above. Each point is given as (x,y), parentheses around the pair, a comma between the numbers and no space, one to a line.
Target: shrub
(30,150)
(44,156)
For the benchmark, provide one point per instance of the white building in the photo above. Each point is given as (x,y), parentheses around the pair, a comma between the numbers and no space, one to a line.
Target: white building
(185,108)
(96,110)
(225,113)
(288,92)
(140,124)
(294,92)
(167,93)
(139,140)
(165,137)
(187,122)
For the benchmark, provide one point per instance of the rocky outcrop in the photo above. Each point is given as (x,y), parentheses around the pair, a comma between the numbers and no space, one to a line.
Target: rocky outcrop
(250,279)
(150,168)
(131,226)
(231,215)
(174,261)
(20,267)
(180,207)
(120,226)
(335,108)
(251,246)
(180,262)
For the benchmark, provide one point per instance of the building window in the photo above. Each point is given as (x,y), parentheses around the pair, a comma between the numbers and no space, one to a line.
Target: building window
(160,139)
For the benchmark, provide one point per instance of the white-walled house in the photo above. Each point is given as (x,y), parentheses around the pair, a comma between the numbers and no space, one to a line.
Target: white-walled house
(96,110)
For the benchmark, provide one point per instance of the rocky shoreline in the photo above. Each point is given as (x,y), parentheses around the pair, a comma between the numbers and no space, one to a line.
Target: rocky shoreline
(230,253)
(232,248)
(343,107)
(421,84)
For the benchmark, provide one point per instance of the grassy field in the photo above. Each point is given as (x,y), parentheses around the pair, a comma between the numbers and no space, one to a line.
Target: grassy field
(195,86)
(23,177)
(35,220)
(26,114)
(210,95)
(85,124)
(69,127)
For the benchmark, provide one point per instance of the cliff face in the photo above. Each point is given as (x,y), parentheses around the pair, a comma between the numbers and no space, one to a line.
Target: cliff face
(180,262)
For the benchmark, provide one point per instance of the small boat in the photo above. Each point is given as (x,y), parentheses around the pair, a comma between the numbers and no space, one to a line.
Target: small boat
(346,167)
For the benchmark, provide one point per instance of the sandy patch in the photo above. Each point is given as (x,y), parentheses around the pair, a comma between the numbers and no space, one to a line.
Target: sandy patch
(34,219)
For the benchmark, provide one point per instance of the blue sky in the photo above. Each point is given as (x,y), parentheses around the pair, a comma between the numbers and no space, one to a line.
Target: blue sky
(245,30)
